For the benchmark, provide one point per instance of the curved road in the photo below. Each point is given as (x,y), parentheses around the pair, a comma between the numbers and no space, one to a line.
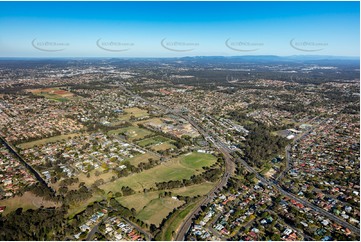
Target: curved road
(229,168)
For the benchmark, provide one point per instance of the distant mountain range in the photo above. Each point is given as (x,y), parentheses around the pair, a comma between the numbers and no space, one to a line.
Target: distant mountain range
(243,57)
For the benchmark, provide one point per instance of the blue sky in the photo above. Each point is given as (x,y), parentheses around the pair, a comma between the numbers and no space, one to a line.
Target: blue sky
(170,29)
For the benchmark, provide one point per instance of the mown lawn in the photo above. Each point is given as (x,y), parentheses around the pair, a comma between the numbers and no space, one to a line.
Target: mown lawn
(179,168)
(132,132)
(197,160)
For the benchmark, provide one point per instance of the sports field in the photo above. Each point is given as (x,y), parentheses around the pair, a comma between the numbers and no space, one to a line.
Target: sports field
(132,132)
(52,93)
(153,141)
(197,160)
(163,146)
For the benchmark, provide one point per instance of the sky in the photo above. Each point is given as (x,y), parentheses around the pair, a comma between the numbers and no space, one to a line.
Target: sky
(175,29)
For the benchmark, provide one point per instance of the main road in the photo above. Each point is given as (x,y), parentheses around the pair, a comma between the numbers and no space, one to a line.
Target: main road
(229,169)
(226,151)
(229,166)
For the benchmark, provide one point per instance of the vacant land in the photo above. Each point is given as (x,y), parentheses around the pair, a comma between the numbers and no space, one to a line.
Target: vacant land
(132,132)
(142,158)
(194,190)
(149,207)
(139,200)
(27,201)
(54,139)
(157,209)
(133,112)
(175,169)
(153,121)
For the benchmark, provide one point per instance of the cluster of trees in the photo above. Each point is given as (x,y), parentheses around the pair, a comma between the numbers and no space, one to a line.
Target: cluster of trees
(151,163)
(133,169)
(260,145)
(127,191)
(42,191)
(76,196)
(69,181)
(40,224)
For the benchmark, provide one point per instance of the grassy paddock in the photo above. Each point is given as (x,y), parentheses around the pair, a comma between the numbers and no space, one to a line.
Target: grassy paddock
(139,200)
(136,112)
(27,201)
(179,168)
(157,209)
(54,139)
(142,158)
(153,141)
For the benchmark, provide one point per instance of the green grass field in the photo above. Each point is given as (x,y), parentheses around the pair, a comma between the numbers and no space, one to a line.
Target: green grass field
(132,132)
(197,160)
(142,158)
(163,146)
(54,139)
(157,209)
(153,141)
(182,167)
(139,200)
(194,190)
(136,112)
